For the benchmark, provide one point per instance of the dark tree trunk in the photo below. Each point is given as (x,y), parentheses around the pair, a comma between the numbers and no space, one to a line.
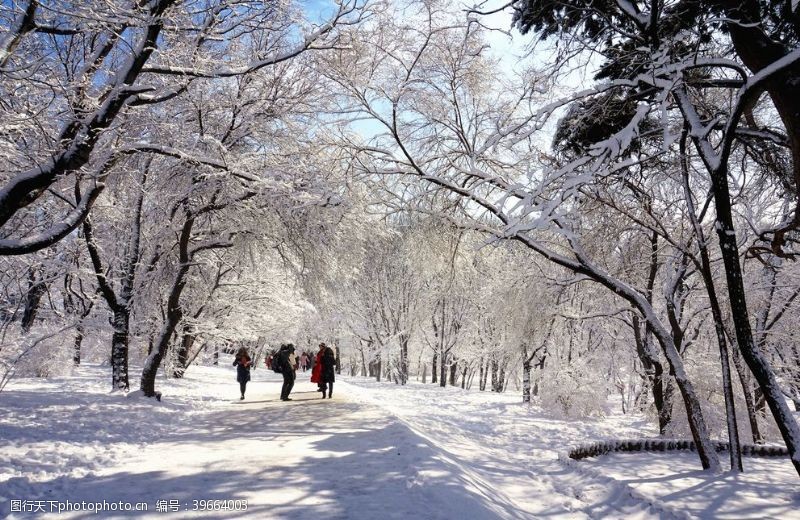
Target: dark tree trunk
(182,355)
(363,364)
(526,381)
(660,398)
(471,378)
(443,369)
(453,373)
(173,314)
(403,359)
(434,369)
(754,358)
(497,383)
(667,402)
(716,164)
(172,318)
(716,313)
(36,289)
(119,349)
(76,346)
(654,371)
(120,305)
(747,393)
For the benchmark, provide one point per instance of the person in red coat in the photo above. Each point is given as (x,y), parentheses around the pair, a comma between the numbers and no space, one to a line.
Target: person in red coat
(316,371)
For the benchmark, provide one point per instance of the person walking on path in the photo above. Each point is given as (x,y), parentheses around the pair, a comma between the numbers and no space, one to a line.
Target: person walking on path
(303,361)
(316,368)
(328,370)
(287,361)
(243,363)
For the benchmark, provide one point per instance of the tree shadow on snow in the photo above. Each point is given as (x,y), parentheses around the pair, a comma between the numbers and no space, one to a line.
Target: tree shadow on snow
(326,459)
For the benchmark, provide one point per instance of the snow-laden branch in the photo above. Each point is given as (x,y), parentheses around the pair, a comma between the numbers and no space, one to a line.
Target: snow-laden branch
(752,87)
(58,231)
(309,41)
(23,24)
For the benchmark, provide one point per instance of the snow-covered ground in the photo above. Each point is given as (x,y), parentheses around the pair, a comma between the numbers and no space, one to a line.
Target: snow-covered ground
(374,451)
(767,489)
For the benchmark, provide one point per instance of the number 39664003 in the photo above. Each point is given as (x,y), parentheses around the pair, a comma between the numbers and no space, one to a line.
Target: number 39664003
(219,505)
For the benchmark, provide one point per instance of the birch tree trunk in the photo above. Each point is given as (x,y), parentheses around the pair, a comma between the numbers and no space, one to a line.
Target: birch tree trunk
(526,382)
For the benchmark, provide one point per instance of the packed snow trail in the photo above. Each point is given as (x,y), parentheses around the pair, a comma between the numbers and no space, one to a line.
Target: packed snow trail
(501,445)
(309,458)
(515,448)
(375,450)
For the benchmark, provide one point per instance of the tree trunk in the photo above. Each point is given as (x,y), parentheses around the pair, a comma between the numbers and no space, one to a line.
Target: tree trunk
(119,349)
(540,366)
(434,369)
(654,371)
(747,393)
(759,366)
(716,163)
(403,360)
(705,450)
(735,450)
(471,378)
(36,289)
(443,369)
(173,315)
(497,382)
(182,355)
(76,346)
(363,364)
(453,373)
(526,382)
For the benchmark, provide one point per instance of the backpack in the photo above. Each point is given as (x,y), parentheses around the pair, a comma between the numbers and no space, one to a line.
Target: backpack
(279,360)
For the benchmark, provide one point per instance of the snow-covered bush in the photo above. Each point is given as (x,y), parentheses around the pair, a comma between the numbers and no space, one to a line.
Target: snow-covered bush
(45,353)
(574,390)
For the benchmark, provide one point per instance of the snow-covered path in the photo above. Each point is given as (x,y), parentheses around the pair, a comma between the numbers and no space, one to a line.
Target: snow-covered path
(374,451)
(501,443)
(308,458)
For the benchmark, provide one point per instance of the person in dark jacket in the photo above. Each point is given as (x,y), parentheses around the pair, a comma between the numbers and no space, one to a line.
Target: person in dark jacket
(328,372)
(286,358)
(243,363)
